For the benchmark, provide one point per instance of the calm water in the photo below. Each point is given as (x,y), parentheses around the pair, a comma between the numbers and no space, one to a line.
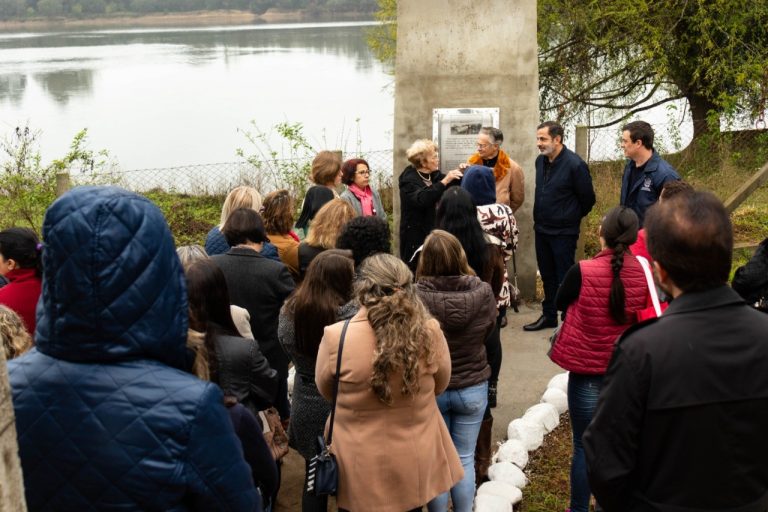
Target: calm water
(168,97)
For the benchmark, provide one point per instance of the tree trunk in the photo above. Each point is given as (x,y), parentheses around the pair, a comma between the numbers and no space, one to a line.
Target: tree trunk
(700,109)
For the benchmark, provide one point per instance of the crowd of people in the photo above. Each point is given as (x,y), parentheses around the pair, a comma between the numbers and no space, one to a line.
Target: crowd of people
(150,377)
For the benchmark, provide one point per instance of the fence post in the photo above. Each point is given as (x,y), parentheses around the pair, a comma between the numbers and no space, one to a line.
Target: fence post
(581,144)
(62,183)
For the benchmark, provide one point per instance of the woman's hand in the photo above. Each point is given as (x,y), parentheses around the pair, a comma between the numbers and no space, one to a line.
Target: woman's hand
(455,174)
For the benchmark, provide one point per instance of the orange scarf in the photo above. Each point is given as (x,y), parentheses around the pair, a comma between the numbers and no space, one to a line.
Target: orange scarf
(503,164)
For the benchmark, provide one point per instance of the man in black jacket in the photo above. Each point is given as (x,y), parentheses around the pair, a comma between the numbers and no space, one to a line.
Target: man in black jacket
(564,195)
(682,417)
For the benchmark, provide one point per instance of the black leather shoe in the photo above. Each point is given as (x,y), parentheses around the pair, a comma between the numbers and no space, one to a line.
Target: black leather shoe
(542,323)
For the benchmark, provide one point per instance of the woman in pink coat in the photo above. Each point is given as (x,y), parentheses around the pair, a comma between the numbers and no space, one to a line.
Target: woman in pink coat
(394,452)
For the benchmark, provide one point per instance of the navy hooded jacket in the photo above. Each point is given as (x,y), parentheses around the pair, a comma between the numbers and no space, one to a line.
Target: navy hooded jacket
(107,418)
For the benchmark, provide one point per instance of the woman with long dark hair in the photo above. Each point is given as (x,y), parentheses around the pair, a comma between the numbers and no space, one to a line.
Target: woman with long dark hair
(393,448)
(21,264)
(465,306)
(323,298)
(600,297)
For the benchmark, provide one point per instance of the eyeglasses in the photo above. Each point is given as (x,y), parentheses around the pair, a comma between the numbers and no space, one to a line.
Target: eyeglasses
(365,172)
(483,146)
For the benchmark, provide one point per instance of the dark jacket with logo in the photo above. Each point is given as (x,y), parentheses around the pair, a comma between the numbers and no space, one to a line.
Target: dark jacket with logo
(564,194)
(682,417)
(465,306)
(106,415)
(645,190)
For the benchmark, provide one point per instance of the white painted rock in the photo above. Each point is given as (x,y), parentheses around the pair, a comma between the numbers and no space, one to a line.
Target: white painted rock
(559,381)
(509,473)
(545,415)
(512,451)
(531,434)
(556,397)
(507,491)
(492,503)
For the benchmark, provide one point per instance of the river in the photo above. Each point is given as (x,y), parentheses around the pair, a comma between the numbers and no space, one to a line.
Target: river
(167,97)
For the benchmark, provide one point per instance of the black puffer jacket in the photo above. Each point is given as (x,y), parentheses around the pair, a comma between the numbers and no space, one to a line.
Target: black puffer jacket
(751,280)
(466,309)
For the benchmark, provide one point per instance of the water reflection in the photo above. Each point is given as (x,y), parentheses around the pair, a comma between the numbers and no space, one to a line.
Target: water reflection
(66,84)
(12,87)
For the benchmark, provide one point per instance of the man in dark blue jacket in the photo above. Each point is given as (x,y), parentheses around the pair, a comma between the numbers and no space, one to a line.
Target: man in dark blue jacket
(682,417)
(107,415)
(564,195)
(645,172)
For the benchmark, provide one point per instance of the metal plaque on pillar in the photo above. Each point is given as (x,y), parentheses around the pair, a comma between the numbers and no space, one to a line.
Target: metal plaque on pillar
(455,130)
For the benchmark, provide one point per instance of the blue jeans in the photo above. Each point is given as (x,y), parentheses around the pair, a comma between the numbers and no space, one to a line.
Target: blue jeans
(462,411)
(583,391)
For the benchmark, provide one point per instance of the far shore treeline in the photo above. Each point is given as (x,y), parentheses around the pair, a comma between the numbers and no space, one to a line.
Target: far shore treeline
(32,9)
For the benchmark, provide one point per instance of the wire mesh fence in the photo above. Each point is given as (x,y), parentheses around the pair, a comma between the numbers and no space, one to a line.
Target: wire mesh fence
(219,178)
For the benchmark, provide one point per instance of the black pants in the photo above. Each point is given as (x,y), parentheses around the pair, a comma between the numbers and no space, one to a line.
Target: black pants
(555,255)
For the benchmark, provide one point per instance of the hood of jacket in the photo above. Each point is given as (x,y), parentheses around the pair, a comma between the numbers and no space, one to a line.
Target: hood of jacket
(454,300)
(113,287)
(480,183)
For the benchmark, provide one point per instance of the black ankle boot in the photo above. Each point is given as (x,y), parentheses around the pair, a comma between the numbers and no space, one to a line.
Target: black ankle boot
(492,395)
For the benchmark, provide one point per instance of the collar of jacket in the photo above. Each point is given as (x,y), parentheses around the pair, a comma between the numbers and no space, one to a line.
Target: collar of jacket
(502,167)
(700,301)
(652,165)
(244,251)
(21,274)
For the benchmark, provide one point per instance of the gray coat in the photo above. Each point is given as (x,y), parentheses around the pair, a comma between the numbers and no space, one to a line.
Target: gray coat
(355,202)
(309,410)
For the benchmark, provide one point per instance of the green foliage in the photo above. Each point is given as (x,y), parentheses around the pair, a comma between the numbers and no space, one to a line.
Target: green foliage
(287,168)
(27,187)
(189,217)
(382,38)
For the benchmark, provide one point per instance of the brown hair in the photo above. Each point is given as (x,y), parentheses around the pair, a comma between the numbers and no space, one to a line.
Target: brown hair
(349,168)
(640,130)
(278,212)
(442,255)
(325,167)
(672,188)
(327,285)
(398,318)
(244,225)
(16,338)
(328,222)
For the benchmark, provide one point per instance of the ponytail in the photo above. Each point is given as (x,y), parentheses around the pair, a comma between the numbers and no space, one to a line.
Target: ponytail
(619,230)
(617,297)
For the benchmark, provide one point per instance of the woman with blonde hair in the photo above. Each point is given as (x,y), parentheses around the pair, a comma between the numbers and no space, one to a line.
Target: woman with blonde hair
(326,176)
(421,186)
(465,306)
(325,231)
(393,449)
(239,197)
(278,221)
(16,339)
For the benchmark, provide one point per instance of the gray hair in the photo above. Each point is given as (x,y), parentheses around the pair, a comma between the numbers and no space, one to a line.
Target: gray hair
(496,135)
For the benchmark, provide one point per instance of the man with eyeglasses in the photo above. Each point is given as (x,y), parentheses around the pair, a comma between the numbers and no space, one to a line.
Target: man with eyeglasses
(510,186)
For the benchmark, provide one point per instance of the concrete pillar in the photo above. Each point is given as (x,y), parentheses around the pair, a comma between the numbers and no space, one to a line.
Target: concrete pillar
(11,482)
(479,54)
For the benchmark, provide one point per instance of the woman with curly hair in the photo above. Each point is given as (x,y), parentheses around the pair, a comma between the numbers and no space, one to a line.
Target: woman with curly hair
(16,339)
(364,236)
(392,446)
(326,228)
(356,175)
(278,221)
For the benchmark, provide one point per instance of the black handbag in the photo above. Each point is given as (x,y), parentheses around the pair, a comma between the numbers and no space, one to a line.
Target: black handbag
(323,471)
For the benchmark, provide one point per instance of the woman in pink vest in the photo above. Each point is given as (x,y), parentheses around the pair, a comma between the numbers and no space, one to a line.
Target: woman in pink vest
(602,296)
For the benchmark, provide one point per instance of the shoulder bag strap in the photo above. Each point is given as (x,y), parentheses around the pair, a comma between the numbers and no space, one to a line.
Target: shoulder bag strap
(651,285)
(336,380)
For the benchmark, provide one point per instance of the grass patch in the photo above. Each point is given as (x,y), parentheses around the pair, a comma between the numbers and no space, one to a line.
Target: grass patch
(189,217)
(548,470)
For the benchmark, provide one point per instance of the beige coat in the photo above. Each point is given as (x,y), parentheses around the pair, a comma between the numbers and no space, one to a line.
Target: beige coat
(391,458)
(510,180)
